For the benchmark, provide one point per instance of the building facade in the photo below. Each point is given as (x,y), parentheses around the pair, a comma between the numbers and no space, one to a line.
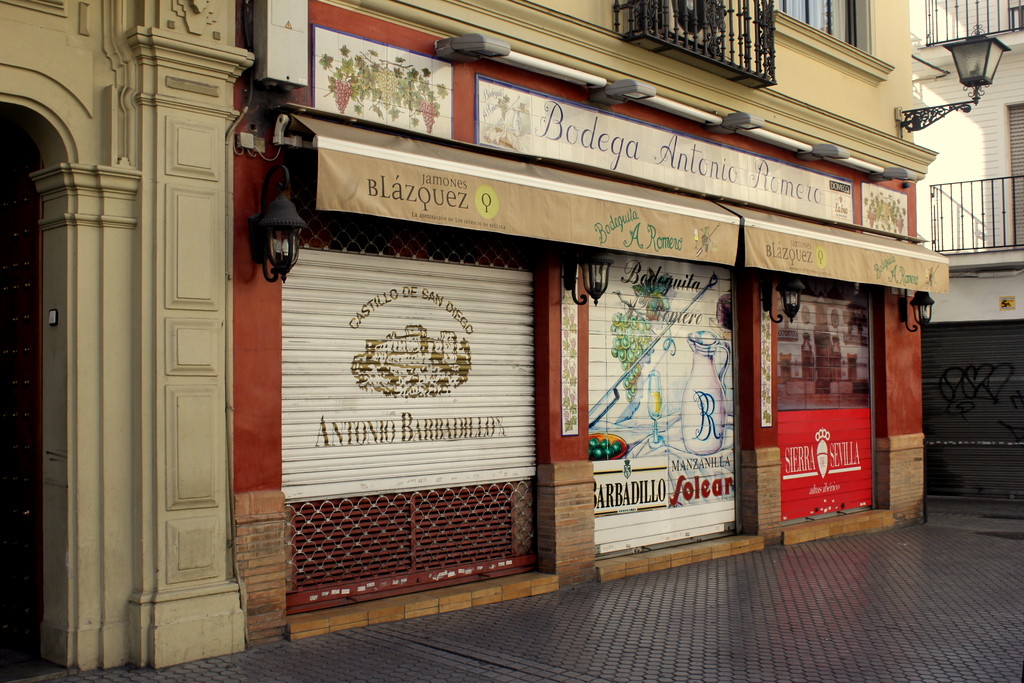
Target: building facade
(972,208)
(423,403)
(212,447)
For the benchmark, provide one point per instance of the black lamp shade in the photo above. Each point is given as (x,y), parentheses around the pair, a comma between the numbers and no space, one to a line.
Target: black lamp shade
(977,59)
(596,268)
(281,224)
(922,303)
(790,289)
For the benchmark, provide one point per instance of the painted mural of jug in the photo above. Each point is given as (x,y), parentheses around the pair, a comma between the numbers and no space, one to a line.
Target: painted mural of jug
(704,400)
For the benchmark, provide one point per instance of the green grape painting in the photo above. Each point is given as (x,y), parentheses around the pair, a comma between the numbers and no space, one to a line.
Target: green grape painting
(634,332)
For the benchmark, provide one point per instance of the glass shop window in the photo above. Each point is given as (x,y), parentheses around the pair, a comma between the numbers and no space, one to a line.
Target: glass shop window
(823,359)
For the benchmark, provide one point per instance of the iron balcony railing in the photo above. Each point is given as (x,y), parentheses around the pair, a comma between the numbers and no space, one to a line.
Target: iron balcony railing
(978,215)
(735,38)
(951,20)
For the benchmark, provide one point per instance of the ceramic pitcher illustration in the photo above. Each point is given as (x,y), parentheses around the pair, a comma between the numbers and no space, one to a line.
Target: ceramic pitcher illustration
(704,400)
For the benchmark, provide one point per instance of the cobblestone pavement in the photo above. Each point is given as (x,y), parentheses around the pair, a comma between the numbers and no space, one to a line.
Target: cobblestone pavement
(939,603)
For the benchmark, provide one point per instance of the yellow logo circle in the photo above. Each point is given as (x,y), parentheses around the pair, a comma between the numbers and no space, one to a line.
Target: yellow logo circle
(820,256)
(487,201)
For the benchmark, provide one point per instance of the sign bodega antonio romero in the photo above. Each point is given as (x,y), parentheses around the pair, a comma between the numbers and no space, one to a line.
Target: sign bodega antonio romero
(547,127)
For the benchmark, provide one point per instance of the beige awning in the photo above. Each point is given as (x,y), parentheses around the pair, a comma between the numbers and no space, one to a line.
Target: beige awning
(785,244)
(374,173)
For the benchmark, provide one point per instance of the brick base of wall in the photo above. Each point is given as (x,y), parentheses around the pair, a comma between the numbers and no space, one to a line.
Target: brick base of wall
(261,551)
(761,493)
(565,521)
(899,468)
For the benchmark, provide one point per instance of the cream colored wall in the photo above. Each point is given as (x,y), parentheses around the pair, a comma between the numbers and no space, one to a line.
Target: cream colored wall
(131,122)
(827,91)
(864,85)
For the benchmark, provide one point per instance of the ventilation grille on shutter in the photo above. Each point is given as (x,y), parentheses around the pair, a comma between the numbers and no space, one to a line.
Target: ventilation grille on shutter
(349,549)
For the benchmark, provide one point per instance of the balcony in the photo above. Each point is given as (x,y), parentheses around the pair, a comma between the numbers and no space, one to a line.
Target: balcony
(733,38)
(978,215)
(951,20)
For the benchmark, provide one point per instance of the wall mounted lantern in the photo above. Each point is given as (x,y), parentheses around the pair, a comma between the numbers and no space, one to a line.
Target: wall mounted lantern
(922,305)
(790,288)
(976,59)
(595,267)
(274,232)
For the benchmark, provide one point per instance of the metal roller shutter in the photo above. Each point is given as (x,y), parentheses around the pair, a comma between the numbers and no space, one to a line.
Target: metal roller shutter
(973,376)
(661,405)
(404,375)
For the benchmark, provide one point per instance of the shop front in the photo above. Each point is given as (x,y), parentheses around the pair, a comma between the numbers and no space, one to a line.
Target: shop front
(450,413)
(408,407)
(824,355)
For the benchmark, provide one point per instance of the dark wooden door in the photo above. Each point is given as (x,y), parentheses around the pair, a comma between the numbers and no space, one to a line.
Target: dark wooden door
(20,449)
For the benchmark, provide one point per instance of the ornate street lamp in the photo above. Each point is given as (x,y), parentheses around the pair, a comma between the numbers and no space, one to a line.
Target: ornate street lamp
(976,59)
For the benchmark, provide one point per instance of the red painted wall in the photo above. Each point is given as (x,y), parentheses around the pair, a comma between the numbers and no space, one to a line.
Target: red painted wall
(897,352)
(551,445)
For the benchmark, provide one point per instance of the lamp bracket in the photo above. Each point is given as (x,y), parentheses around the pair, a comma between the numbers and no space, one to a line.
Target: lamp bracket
(767,299)
(570,266)
(918,119)
(903,308)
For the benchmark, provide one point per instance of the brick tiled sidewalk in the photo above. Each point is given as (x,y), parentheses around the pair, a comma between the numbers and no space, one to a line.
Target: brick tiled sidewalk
(937,603)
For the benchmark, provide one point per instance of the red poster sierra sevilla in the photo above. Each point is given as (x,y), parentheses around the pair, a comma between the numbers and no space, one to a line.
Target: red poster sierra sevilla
(826,461)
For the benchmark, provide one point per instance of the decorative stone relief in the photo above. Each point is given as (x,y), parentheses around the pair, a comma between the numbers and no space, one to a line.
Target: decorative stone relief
(197,15)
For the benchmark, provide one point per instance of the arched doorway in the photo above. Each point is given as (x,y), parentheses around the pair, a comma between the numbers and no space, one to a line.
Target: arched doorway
(20,397)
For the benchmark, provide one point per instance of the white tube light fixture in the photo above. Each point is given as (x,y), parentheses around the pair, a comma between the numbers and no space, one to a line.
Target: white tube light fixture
(473,46)
(893,173)
(824,151)
(777,140)
(542,66)
(683,110)
(623,90)
(859,165)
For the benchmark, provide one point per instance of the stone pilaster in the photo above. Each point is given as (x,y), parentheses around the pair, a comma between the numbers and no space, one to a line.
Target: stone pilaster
(186,602)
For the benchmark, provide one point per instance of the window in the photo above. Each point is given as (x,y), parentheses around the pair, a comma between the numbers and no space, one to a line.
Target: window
(835,17)
(1016,10)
